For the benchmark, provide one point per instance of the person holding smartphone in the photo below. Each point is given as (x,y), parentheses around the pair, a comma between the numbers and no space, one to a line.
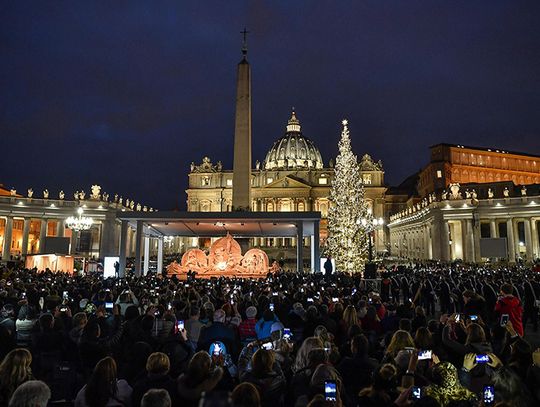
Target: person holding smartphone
(508,304)
(267,376)
(263,327)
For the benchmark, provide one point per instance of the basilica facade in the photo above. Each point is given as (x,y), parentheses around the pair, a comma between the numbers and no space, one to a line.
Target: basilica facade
(292,177)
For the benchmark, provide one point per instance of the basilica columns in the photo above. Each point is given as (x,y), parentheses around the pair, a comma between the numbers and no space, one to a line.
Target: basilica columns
(138,251)
(300,247)
(26,232)
(123,247)
(528,239)
(493,229)
(534,240)
(445,243)
(511,242)
(60,226)
(6,250)
(315,255)
(146,255)
(42,235)
(160,255)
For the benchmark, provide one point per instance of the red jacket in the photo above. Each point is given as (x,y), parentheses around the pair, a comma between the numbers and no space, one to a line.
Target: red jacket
(512,306)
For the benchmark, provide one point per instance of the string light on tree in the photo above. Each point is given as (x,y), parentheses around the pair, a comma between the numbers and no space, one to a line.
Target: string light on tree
(347,236)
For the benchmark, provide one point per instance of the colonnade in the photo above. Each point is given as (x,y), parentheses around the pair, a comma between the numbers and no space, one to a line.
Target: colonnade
(451,238)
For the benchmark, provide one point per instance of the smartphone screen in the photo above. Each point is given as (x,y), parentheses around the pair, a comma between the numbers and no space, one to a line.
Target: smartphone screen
(287,333)
(180,325)
(488,395)
(504,319)
(108,305)
(416,393)
(482,358)
(424,355)
(267,345)
(215,349)
(330,390)
(65,295)
(474,317)
(271,306)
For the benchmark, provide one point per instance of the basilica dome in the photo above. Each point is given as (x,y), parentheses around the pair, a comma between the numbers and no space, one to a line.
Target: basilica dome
(293,151)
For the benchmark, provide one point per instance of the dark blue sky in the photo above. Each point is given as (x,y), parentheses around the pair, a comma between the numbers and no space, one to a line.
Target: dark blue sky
(126,94)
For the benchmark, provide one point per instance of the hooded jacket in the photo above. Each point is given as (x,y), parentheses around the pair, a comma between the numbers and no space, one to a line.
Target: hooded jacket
(512,306)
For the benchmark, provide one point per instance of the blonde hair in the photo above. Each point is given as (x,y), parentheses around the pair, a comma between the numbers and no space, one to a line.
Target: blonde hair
(400,340)
(302,359)
(350,316)
(158,363)
(15,370)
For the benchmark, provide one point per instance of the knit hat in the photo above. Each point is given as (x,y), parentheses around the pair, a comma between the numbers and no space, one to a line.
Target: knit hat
(276,326)
(251,312)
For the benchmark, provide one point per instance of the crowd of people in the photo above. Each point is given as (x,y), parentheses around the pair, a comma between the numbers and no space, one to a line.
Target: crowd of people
(422,335)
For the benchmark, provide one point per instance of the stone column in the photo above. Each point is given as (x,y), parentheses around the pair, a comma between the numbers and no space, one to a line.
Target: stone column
(315,254)
(445,243)
(468,240)
(299,247)
(476,238)
(435,241)
(160,255)
(42,235)
(510,241)
(138,251)
(8,231)
(123,248)
(60,227)
(492,229)
(106,241)
(73,242)
(528,239)
(26,232)
(534,240)
(146,255)
(426,243)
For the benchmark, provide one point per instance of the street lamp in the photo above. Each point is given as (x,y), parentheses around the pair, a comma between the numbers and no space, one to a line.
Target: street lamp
(370,224)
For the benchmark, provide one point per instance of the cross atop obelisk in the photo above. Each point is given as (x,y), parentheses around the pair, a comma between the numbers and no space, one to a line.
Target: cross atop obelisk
(244,44)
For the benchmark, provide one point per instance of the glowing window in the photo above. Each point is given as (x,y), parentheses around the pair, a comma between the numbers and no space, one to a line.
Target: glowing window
(439,174)
(205,181)
(229,182)
(269,180)
(323,181)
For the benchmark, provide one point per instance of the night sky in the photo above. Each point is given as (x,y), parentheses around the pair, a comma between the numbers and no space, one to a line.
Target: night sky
(126,94)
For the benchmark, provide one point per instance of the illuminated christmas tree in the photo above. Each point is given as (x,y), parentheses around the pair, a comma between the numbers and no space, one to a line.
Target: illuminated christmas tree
(349,213)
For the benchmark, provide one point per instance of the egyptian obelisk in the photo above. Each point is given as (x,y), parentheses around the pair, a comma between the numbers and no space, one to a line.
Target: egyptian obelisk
(241,194)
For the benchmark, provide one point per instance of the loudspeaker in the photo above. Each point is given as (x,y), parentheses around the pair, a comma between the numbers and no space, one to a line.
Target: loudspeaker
(371,271)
